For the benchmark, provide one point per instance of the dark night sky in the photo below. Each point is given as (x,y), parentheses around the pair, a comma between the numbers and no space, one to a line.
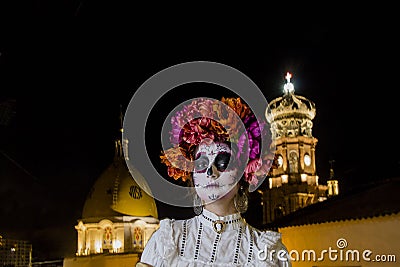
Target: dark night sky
(69,80)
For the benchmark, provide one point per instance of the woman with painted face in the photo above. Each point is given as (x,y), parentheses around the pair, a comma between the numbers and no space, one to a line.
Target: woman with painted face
(217,150)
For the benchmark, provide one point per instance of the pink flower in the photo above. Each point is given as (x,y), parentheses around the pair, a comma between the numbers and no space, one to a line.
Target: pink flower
(206,109)
(252,179)
(252,167)
(198,111)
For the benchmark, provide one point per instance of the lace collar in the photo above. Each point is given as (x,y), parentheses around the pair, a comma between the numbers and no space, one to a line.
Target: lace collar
(221,223)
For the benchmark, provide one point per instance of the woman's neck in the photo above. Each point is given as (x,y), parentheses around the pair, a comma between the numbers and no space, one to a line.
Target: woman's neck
(221,207)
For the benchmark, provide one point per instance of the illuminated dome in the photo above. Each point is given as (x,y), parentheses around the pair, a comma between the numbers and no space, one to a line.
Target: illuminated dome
(290,114)
(291,105)
(116,193)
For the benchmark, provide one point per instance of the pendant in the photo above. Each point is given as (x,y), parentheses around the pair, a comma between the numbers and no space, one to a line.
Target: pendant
(219,226)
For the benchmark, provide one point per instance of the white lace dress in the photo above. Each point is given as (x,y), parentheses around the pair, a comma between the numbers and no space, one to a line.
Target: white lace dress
(196,242)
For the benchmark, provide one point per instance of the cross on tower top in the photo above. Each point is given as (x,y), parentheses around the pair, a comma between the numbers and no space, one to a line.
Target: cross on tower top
(331,172)
(288,87)
(288,76)
(331,162)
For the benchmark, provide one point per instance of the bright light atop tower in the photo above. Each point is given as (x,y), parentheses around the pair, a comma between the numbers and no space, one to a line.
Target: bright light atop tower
(288,87)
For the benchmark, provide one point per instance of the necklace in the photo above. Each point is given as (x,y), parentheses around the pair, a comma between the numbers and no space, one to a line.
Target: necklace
(219,225)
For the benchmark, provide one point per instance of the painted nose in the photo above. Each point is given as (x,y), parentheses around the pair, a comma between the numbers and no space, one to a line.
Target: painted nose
(212,172)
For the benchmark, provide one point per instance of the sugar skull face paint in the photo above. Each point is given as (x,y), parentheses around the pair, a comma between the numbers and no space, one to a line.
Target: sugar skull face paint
(213,175)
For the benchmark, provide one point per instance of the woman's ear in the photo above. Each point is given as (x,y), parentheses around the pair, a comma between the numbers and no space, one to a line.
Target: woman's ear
(244,184)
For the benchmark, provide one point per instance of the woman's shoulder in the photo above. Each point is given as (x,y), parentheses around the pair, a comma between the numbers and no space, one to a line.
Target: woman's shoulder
(268,241)
(160,245)
(173,226)
(265,237)
(174,223)
(166,223)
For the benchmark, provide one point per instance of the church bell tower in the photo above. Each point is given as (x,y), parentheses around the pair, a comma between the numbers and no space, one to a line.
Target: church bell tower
(294,184)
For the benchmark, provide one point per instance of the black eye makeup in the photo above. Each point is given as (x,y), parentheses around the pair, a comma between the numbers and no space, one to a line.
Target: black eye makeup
(222,161)
(201,163)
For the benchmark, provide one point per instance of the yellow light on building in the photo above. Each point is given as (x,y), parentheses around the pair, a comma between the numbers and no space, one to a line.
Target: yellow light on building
(333,187)
(98,246)
(303,177)
(336,188)
(284,178)
(117,245)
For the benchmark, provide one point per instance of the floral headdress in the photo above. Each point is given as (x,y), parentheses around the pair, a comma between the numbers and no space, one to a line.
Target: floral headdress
(208,119)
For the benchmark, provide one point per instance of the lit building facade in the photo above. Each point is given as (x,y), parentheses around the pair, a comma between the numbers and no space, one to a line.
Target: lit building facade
(17,253)
(118,219)
(294,184)
(351,229)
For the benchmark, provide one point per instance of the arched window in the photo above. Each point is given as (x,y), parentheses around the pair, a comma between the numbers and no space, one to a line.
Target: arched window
(107,238)
(137,237)
(293,162)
